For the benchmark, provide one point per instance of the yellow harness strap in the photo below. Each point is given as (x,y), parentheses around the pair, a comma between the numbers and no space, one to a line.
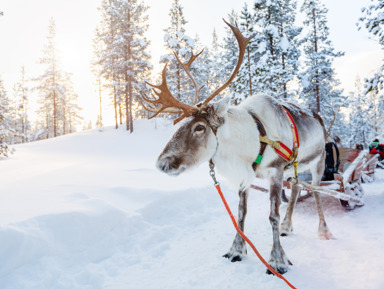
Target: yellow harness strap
(281,149)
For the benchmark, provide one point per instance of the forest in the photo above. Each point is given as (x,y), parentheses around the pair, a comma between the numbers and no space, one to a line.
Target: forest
(289,60)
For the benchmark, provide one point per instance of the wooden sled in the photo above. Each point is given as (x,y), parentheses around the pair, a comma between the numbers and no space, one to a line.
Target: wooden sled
(355,166)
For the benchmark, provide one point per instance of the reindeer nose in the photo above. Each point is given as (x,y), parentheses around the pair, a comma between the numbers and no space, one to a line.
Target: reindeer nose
(163,165)
(168,164)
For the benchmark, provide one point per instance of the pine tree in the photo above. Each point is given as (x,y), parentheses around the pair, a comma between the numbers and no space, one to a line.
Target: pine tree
(48,83)
(179,43)
(21,124)
(122,55)
(361,130)
(70,111)
(276,58)
(96,70)
(106,55)
(215,55)
(134,58)
(243,83)
(318,78)
(373,21)
(230,54)
(55,89)
(376,112)
(202,70)
(6,131)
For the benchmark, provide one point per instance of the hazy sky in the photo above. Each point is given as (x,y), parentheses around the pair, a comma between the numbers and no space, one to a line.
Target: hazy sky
(24,28)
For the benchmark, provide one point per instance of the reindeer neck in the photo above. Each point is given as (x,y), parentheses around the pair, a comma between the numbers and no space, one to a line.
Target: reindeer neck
(238,146)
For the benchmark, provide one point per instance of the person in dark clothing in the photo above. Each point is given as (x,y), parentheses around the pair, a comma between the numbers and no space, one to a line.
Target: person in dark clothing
(332,161)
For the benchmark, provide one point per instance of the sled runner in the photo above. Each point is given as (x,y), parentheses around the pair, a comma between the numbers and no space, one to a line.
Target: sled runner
(355,166)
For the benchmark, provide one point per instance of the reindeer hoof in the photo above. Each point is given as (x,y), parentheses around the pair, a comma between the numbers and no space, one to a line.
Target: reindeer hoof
(236,259)
(281,270)
(233,258)
(285,229)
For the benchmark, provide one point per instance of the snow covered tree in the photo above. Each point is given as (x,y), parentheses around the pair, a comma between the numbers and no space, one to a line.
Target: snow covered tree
(133,56)
(96,70)
(203,70)
(230,53)
(123,58)
(54,88)
(105,62)
(276,57)
(318,78)
(243,82)
(48,86)
(376,109)
(70,110)
(6,131)
(361,130)
(215,63)
(21,124)
(373,21)
(179,43)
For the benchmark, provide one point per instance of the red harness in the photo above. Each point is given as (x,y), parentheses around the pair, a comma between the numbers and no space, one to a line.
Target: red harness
(281,149)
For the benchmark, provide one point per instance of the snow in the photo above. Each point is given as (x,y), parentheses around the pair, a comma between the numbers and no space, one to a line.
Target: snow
(179,34)
(173,42)
(90,210)
(284,44)
(273,30)
(189,41)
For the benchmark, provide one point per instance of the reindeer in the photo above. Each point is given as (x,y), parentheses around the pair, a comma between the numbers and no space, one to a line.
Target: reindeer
(232,137)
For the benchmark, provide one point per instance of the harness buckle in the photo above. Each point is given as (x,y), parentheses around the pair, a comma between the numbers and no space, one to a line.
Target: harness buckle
(276,145)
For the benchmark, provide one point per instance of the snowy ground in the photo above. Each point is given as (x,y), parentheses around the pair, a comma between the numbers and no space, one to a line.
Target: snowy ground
(90,210)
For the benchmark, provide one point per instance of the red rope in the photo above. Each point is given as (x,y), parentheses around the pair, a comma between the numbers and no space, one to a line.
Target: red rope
(249,241)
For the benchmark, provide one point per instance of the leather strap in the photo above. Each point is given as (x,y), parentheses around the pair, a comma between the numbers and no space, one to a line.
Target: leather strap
(281,149)
(263,145)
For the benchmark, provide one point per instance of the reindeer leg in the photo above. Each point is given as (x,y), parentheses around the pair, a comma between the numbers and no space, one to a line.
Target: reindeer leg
(238,249)
(286,226)
(278,260)
(323,230)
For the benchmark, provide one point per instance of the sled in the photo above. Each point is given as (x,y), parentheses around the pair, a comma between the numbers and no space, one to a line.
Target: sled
(355,166)
(372,161)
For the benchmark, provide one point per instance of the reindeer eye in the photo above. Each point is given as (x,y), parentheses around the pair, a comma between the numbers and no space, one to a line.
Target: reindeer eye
(199,128)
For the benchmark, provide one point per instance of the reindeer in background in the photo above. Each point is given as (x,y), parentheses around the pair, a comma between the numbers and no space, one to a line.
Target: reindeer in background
(232,138)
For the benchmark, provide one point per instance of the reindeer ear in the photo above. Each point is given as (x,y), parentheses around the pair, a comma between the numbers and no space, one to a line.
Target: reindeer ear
(222,106)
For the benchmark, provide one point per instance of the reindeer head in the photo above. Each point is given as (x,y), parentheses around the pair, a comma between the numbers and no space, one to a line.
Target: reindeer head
(195,140)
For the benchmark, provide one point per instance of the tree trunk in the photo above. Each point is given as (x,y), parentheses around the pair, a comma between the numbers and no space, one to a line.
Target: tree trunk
(120,114)
(115,107)
(130,104)
(317,88)
(101,110)
(126,96)
(249,72)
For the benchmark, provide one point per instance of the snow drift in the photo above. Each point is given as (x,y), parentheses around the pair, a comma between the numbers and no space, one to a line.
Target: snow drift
(90,210)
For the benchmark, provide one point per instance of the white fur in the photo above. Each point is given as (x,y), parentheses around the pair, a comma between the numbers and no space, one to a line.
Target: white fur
(239,141)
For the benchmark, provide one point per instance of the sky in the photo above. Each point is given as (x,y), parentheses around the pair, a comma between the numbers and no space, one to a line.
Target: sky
(24,28)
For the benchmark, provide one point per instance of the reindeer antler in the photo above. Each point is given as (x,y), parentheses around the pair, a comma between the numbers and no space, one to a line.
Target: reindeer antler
(186,66)
(168,103)
(242,42)
(167,100)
